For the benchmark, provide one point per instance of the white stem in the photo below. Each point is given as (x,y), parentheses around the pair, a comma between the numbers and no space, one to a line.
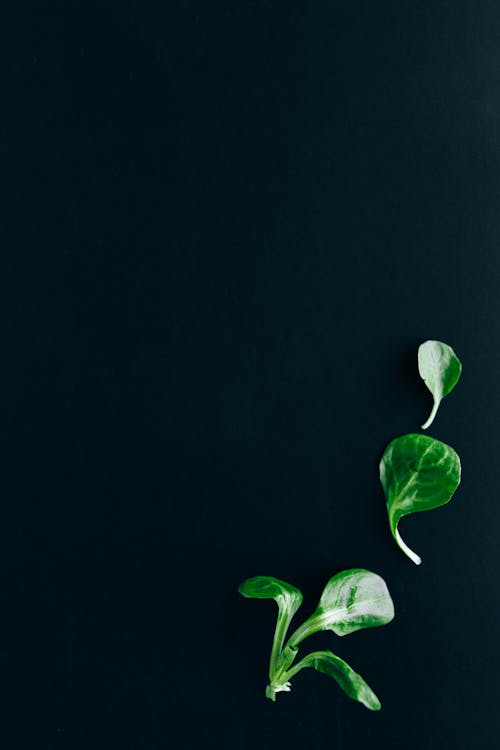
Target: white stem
(432,414)
(409,552)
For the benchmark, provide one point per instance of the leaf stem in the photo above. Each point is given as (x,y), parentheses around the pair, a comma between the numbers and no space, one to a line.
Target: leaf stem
(407,550)
(433,413)
(307,628)
(282,624)
(281,658)
(294,670)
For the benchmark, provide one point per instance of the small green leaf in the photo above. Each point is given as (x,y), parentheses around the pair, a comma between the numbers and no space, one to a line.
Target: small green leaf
(440,369)
(351,600)
(288,599)
(417,473)
(267,587)
(350,681)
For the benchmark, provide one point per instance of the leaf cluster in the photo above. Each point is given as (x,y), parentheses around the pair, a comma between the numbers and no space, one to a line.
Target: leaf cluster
(351,600)
(417,473)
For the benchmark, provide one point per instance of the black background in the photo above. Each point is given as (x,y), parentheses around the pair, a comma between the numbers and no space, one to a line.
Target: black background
(226,227)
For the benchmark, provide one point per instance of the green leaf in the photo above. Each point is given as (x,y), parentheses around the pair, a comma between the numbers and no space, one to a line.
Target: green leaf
(440,369)
(352,600)
(350,681)
(288,599)
(267,587)
(417,473)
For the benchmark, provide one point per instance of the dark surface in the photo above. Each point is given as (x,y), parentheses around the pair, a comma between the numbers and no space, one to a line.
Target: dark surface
(226,228)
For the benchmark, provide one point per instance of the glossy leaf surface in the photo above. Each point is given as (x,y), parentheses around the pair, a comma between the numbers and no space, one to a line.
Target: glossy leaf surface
(288,599)
(267,587)
(417,473)
(350,681)
(351,600)
(440,369)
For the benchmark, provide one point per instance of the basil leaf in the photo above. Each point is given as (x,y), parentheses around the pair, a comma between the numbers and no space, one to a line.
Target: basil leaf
(440,369)
(350,681)
(417,473)
(351,600)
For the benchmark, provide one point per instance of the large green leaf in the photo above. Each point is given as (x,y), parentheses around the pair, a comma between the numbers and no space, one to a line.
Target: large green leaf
(440,368)
(350,681)
(417,473)
(351,600)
